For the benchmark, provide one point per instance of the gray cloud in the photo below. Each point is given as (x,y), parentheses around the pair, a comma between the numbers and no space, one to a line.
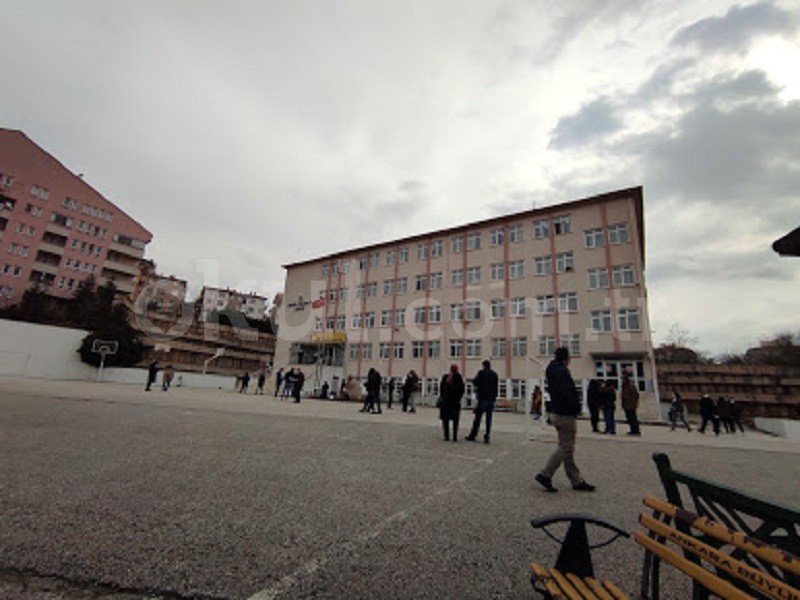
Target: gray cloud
(593,121)
(735,31)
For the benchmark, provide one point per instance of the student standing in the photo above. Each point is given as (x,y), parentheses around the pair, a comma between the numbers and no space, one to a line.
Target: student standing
(451,391)
(486,384)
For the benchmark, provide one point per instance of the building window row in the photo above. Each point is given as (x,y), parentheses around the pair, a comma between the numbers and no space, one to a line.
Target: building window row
(33,209)
(78,265)
(25,229)
(18,249)
(627,320)
(86,247)
(40,193)
(616,234)
(97,213)
(13,270)
(91,229)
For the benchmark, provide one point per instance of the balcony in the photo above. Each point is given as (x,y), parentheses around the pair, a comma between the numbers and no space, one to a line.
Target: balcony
(127,250)
(58,229)
(51,248)
(46,267)
(127,269)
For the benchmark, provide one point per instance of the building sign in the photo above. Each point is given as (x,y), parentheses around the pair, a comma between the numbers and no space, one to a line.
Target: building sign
(329,337)
(300,304)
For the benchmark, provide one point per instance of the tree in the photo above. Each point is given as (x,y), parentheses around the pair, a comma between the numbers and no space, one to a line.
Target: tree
(107,321)
(673,354)
(780,351)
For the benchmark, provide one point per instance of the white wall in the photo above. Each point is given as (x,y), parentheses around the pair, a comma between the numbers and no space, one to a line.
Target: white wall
(786,428)
(48,352)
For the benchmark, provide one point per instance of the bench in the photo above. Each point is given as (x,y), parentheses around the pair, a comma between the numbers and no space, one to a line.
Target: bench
(505,405)
(746,551)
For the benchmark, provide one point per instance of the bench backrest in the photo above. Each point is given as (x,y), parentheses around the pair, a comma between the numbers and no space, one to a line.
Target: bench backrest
(756,519)
(728,577)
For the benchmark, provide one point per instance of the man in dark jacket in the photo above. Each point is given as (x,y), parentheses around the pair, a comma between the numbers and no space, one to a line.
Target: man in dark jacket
(565,406)
(486,384)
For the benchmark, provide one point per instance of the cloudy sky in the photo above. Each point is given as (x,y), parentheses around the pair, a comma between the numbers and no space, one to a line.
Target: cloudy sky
(246,135)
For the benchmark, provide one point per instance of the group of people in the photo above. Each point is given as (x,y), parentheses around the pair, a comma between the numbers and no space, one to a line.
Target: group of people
(601,396)
(351,390)
(289,384)
(167,376)
(725,412)
(452,389)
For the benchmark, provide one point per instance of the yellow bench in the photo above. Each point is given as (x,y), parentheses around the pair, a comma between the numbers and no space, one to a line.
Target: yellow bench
(722,560)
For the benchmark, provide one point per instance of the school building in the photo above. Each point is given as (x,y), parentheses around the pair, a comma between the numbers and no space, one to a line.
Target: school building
(509,289)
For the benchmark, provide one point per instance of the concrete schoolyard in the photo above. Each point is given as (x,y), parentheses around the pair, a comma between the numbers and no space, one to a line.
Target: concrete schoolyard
(108,491)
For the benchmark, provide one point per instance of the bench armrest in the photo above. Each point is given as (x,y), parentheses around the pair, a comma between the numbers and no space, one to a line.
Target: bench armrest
(575,554)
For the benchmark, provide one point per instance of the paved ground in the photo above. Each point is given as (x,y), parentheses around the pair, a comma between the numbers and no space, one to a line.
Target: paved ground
(110,492)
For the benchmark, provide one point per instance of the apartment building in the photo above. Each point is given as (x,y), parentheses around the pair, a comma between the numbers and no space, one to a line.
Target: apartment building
(508,289)
(56,230)
(162,294)
(213,299)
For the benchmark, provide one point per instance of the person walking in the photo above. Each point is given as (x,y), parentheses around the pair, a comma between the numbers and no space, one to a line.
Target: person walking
(594,399)
(724,414)
(677,410)
(630,404)
(451,391)
(152,373)
(278,381)
(373,392)
(245,383)
(608,394)
(486,385)
(409,391)
(566,406)
(390,392)
(288,383)
(536,402)
(262,379)
(736,415)
(707,414)
(297,385)
(166,378)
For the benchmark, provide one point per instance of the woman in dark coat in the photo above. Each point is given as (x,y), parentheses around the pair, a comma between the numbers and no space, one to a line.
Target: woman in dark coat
(450,393)
(595,400)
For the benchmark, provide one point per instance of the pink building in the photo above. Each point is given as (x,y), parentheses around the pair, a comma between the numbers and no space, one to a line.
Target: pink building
(56,230)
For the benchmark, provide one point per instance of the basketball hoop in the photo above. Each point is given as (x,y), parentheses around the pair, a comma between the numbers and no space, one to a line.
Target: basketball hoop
(104,348)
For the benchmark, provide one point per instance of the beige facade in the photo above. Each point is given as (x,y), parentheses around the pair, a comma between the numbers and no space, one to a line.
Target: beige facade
(509,289)
(56,230)
(213,299)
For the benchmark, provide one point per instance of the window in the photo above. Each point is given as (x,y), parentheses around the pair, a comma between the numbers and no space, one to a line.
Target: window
(42,193)
(455,348)
(343,293)
(473,275)
(497,308)
(541,228)
(417,349)
(340,322)
(598,278)
(628,319)
(420,283)
(18,249)
(422,251)
(543,265)
(330,323)
(519,346)
(434,349)
(496,237)
(457,312)
(402,285)
(594,238)
(388,287)
(473,241)
(355,323)
(518,389)
(565,262)
(383,350)
(398,349)
(498,347)
(572,342)
(517,306)
(326,270)
(34,210)
(366,351)
(61,220)
(374,259)
(355,351)
(369,320)
(568,302)
(547,345)
(362,263)
(545,305)
(419,315)
(457,277)
(435,314)
(618,234)
(562,225)
(372,289)
(457,244)
(345,266)
(437,249)
(403,255)
(386,318)
(436,281)
(389,258)
(623,276)
(498,271)
(473,348)
(515,234)
(516,269)
(360,291)
(601,321)
(400,317)
(473,310)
